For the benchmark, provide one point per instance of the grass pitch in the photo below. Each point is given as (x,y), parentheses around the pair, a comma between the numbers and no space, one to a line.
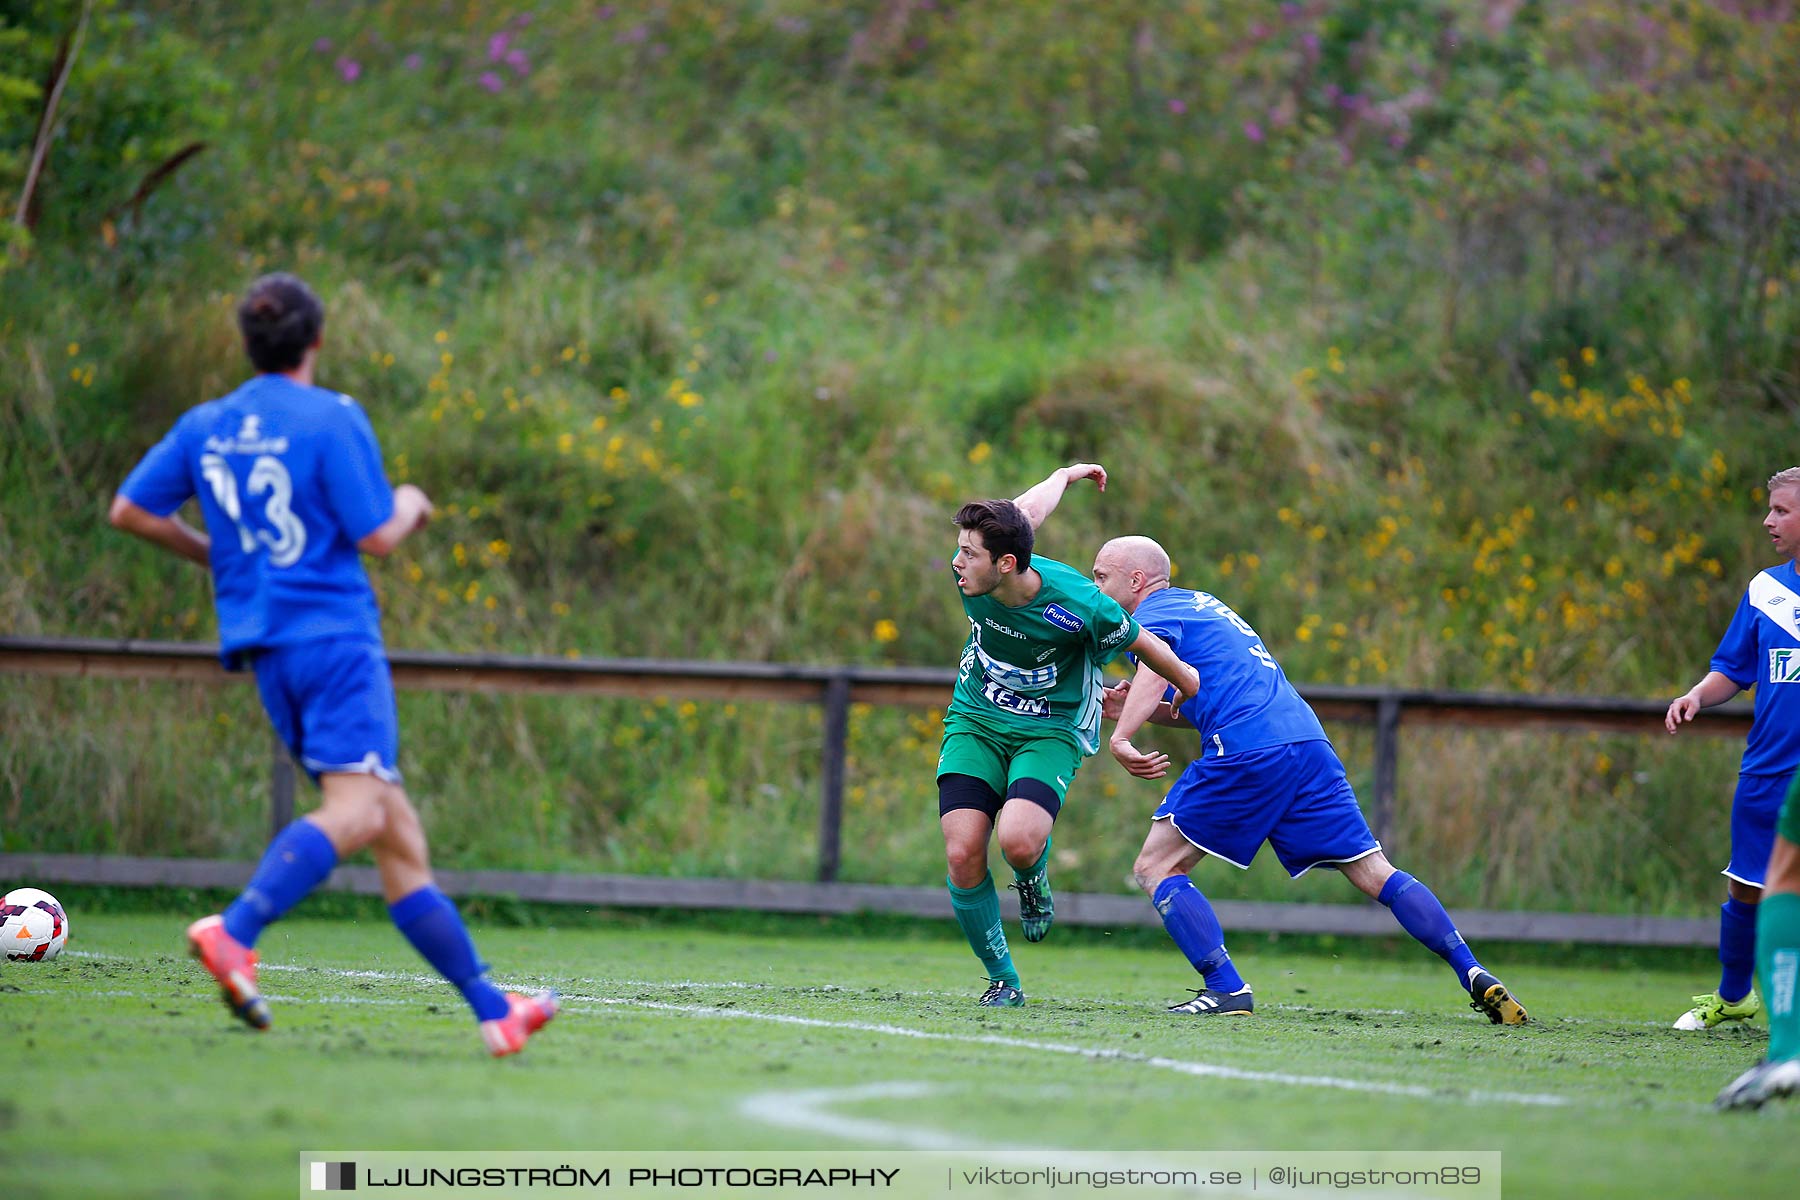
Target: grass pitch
(126,1077)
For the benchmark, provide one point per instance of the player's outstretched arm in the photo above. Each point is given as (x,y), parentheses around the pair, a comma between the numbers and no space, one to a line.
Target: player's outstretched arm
(1040,500)
(1716,688)
(412,512)
(171,532)
(1141,699)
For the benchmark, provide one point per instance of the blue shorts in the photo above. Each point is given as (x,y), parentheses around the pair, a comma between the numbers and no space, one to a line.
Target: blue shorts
(1294,797)
(1754,809)
(332,704)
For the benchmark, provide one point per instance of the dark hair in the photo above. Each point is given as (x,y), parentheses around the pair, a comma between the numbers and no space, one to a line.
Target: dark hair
(1004,529)
(280,319)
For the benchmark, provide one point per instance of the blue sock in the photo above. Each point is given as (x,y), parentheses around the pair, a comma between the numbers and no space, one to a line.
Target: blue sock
(1737,949)
(1421,915)
(1196,931)
(296,862)
(430,922)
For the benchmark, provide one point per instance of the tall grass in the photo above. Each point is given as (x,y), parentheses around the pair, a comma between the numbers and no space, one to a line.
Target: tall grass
(699,320)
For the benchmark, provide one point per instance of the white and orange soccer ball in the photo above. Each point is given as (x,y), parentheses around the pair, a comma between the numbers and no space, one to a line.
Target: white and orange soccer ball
(33,926)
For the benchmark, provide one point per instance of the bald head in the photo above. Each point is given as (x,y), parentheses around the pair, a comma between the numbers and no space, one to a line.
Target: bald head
(1130,568)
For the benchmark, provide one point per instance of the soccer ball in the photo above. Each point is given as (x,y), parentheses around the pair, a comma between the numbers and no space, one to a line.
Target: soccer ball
(33,927)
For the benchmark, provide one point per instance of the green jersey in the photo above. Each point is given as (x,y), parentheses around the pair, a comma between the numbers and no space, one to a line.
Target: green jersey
(1034,671)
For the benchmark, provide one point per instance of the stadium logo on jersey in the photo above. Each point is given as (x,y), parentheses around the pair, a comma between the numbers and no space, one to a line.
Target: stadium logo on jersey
(1062,618)
(1784,665)
(997,626)
(1117,636)
(1012,702)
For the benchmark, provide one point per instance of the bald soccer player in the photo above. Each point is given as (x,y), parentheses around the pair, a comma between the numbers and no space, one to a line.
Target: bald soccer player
(1266,772)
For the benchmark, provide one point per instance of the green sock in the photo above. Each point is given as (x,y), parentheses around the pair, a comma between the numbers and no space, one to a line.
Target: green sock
(1037,868)
(1778,970)
(978,912)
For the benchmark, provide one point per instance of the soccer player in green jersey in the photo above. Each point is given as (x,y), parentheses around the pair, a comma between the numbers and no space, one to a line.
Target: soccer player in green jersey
(1025,711)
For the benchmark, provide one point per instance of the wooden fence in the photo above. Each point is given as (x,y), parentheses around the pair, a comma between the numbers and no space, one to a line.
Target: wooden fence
(835,689)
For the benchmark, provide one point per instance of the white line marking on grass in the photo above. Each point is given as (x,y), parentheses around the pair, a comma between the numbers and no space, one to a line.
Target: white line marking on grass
(805,1111)
(431,980)
(572,1003)
(1101,1054)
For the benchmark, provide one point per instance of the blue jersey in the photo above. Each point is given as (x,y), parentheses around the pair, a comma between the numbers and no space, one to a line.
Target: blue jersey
(1761,650)
(289,479)
(1245,700)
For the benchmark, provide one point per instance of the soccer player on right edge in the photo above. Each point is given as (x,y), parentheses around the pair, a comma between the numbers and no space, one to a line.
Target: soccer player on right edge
(1266,772)
(1777,969)
(1760,649)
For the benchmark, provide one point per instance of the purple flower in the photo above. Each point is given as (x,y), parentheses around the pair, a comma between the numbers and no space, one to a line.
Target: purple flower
(349,69)
(322,46)
(518,61)
(412,62)
(1259,31)
(770,356)
(490,81)
(522,20)
(497,46)
(636,35)
(606,12)
(1310,43)
(1396,140)
(1178,106)
(1253,131)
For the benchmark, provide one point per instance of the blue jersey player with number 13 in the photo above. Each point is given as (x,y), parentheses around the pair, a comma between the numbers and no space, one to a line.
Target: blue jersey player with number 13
(290,483)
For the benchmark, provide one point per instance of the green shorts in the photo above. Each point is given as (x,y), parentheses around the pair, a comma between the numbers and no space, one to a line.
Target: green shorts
(1788,823)
(1051,761)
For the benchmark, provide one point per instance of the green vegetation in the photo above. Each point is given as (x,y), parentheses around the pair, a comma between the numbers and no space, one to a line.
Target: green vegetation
(665,1038)
(1449,342)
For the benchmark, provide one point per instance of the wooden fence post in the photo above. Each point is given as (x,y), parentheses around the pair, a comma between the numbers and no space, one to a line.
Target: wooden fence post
(1387,766)
(831,774)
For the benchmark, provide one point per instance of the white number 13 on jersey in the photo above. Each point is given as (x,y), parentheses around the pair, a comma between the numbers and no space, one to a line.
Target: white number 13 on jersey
(267,474)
